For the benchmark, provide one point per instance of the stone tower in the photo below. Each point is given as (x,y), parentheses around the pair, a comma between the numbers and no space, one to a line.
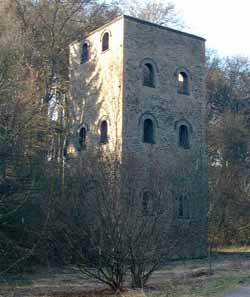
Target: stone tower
(139,88)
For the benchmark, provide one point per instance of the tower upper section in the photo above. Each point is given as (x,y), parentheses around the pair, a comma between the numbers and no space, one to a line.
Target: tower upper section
(129,75)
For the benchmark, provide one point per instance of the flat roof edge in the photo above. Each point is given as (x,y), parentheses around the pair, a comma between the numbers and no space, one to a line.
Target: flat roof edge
(162,27)
(142,22)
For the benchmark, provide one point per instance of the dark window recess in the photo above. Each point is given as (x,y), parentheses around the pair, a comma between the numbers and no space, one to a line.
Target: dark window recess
(184,137)
(186,205)
(183,207)
(147,203)
(148,75)
(82,137)
(85,53)
(104,132)
(180,207)
(105,42)
(183,84)
(65,150)
(148,131)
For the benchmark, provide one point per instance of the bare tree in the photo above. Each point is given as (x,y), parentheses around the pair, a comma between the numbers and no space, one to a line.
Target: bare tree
(156,11)
(228,147)
(34,53)
(120,232)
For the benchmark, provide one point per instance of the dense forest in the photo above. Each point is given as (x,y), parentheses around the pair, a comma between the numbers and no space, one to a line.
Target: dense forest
(40,207)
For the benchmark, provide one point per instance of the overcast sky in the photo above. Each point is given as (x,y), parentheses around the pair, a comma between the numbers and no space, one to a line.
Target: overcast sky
(224,23)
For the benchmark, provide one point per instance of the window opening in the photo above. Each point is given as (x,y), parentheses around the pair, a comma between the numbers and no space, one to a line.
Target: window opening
(183,87)
(82,136)
(105,42)
(104,132)
(148,75)
(184,137)
(85,53)
(148,131)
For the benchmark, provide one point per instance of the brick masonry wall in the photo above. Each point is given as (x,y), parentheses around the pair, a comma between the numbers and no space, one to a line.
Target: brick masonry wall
(170,51)
(96,86)
(109,86)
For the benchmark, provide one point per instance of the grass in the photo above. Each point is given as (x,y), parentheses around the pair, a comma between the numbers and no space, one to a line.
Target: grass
(234,249)
(213,288)
(179,279)
(20,279)
(209,286)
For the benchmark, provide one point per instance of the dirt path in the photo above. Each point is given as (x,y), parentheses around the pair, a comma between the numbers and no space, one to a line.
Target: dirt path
(44,282)
(186,274)
(240,292)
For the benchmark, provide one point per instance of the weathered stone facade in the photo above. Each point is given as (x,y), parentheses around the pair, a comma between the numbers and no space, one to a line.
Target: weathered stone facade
(110,86)
(97,86)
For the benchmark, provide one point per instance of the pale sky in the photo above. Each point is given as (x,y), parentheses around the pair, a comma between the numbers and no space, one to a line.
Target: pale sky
(225,24)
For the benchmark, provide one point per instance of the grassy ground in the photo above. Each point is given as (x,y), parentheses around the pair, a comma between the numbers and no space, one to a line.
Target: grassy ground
(229,270)
(178,279)
(214,287)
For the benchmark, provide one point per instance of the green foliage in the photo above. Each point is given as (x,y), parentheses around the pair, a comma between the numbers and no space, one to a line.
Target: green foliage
(34,38)
(228,147)
(228,80)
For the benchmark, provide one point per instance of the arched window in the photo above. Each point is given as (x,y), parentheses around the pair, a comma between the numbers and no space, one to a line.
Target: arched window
(147,203)
(183,207)
(104,132)
(82,136)
(85,53)
(184,137)
(148,75)
(183,83)
(148,131)
(180,207)
(105,42)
